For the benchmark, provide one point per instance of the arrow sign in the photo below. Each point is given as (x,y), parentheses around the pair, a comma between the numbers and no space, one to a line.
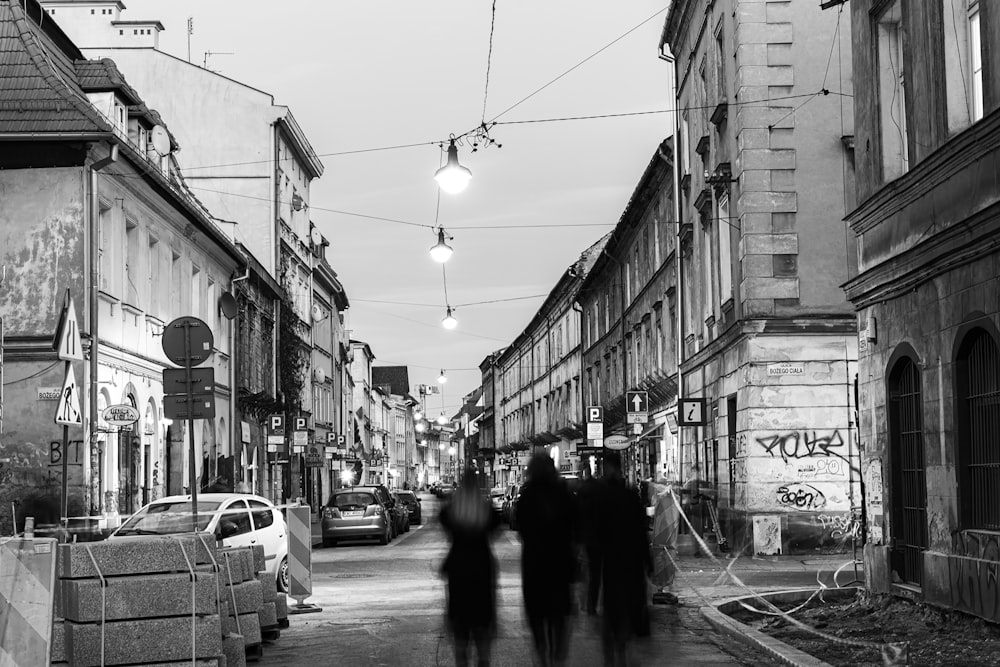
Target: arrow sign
(68,333)
(638,401)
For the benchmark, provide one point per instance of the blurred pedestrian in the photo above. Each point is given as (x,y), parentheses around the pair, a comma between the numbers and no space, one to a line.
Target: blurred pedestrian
(625,546)
(471,570)
(665,525)
(545,517)
(589,500)
(692,506)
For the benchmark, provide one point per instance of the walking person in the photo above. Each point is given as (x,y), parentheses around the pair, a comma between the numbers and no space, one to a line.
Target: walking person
(471,570)
(589,501)
(545,518)
(625,547)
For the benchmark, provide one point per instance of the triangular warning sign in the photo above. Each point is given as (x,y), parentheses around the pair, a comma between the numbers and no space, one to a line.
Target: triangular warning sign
(68,334)
(68,413)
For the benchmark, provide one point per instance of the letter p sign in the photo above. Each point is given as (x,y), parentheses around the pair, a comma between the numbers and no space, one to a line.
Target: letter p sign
(595,414)
(276,424)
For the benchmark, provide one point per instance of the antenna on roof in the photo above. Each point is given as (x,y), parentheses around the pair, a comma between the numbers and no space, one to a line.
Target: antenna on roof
(190,32)
(204,63)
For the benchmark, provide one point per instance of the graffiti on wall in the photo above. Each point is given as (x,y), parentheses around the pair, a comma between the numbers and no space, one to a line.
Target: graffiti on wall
(840,527)
(823,467)
(974,544)
(873,493)
(804,444)
(742,446)
(800,496)
(975,587)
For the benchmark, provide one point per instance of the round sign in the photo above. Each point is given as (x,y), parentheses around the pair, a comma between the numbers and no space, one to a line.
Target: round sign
(617,442)
(120,415)
(187,341)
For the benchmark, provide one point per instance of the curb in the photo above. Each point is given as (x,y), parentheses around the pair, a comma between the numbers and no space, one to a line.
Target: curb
(723,623)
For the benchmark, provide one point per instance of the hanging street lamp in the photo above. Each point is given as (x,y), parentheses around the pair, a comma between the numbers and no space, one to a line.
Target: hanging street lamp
(441,251)
(452,177)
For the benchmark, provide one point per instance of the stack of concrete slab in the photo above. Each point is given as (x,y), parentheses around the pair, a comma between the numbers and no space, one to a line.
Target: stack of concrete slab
(243,599)
(135,601)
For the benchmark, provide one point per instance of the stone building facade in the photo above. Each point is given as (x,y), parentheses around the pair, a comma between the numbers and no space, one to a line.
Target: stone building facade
(768,338)
(926,296)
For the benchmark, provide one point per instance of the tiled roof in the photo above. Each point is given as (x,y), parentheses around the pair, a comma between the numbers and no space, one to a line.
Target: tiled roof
(38,78)
(103,75)
(397,377)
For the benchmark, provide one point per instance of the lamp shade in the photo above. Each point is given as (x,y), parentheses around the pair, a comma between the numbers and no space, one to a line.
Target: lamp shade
(441,251)
(449,321)
(452,177)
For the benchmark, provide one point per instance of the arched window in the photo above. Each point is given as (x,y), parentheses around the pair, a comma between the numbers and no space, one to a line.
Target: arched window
(977,404)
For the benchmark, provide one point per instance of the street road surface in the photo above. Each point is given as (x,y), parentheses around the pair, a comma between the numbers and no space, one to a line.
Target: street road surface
(384,605)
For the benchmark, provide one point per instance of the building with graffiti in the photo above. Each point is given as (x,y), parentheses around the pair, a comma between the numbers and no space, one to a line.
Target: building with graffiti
(95,209)
(926,297)
(768,345)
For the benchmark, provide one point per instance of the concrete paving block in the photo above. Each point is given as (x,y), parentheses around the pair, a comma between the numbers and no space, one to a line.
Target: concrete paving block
(248,563)
(270,585)
(145,554)
(143,641)
(268,615)
(281,605)
(145,596)
(235,565)
(258,557)
(249,596)
(228,621)
(58,653)
(234,650)
(249,627)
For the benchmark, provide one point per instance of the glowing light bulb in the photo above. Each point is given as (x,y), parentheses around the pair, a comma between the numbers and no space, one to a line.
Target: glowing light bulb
(452,177)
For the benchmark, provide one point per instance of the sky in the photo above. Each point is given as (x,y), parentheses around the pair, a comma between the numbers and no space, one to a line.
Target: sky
(360,75)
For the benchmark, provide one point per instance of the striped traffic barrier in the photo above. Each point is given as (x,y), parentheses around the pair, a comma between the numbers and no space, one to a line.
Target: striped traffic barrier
(299,520)
(27,573)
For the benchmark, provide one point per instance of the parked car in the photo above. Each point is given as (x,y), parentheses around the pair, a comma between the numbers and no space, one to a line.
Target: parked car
(412,504)
(505,507)
(400,517)
(496,499)
(236,519)
(357,513)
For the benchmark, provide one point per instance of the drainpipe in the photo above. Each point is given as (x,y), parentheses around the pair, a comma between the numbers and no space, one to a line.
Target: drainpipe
(93,308)
(678,275)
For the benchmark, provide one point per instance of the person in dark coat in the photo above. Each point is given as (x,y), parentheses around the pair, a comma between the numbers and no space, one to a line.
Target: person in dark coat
(625,547)
(589,501)
(546,520)
(471,570)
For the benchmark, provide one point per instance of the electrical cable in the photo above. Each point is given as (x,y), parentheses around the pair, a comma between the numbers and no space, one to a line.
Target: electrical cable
(457,305)
(489,58)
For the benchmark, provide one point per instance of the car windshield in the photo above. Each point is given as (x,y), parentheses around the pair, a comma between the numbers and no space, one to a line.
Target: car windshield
(496,493)
(406,496)
(168,518)
(352,501)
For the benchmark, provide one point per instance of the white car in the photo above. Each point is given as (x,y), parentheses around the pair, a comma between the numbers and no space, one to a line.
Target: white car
(236,519)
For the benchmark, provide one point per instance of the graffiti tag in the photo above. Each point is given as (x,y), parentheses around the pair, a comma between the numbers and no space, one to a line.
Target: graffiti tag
(840,526)
(803,444)
(801,496)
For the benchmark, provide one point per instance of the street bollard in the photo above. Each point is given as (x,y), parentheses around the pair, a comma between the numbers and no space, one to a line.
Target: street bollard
(300,559)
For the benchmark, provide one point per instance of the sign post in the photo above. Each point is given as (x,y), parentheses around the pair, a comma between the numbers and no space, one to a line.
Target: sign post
(68,413)
(188,342)
(595,426)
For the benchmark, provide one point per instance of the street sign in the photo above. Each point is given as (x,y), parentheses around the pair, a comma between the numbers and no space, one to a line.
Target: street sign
(300,438)
(314,457)
(595,425)
(595,413)
(175,380)
(637,407)
(68,412)
(637,428)
(301,423)
(200,406)
(691,412)
(617,442)
(275,431)
(120,415)
(191,352)
(68,334)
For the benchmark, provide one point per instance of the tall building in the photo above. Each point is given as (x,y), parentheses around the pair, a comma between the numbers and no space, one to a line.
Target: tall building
(927,88)
(95,208)
(768,339)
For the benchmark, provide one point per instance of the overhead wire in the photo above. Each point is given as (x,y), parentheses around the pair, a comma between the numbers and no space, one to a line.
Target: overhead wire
(489,58)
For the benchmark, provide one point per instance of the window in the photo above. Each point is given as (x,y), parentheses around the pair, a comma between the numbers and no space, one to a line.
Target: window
(976,60)
(725,251)
(977,399)
(890,42)
(153,275)
(236,520)
(263,516)
(685,146)
(196,290)
(720,64)
(656,244)
(105,251)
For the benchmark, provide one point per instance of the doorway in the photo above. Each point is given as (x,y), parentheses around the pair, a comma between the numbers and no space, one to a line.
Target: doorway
(906,461)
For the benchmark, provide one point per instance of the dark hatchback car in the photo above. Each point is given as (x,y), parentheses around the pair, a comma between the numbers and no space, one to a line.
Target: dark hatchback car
(409,500)
(357,513)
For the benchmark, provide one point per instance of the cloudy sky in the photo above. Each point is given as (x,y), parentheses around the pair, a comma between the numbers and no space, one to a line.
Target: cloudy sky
(371,74)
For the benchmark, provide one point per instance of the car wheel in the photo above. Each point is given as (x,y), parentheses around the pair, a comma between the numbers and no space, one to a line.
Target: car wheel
(282,578)
(384,539)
